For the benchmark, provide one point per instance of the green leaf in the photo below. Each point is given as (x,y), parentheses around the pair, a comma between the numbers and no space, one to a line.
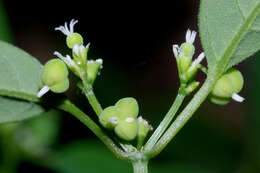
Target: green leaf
(229,31)
(19,73)
(12,110)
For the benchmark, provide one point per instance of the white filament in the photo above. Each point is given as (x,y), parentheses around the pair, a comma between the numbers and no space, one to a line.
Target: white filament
(237,97)
(190,36)
(65,30)
(43,91)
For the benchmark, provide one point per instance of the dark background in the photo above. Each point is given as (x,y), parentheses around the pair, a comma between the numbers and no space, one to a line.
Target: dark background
(134,39)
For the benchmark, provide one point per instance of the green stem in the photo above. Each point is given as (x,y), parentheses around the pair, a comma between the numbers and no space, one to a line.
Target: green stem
(140,166)
(165,122)
(67,106)
(88,91)
(185,115)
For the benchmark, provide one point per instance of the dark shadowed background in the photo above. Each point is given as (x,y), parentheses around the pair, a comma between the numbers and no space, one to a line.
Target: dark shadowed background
(134,39)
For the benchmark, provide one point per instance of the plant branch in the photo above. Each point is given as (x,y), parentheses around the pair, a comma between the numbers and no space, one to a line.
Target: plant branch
(185,115)
(67,106)
(165,122)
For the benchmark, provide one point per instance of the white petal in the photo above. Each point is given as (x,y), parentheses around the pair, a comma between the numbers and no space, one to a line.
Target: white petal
(188,35)
(193,36)
(175,49)
(237,97)
(43,91)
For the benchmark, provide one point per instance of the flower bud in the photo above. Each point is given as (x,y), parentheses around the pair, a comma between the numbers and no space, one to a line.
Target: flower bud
(143,128)
(227,87)
(93,68)
(187,49)
(54,76)
(108,118)
(127,128)
(127,107)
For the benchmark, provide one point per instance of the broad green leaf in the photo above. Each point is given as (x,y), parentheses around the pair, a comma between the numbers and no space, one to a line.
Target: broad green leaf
(19,73)
(12,110)
(229,30)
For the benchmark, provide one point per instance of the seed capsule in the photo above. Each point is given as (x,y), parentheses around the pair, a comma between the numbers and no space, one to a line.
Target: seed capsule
(73,39)
(54,77)
(109,118)
(127,107)
(227,87)
(127,129)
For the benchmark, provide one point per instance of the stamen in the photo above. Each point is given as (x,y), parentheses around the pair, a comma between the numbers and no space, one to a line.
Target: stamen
(88,45)
(76,49)
(237,97)
(190,36)
(72,23)
(43,91)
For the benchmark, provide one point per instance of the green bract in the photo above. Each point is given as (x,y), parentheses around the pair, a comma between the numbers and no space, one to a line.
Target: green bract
(55,76)
(92,70)
(230,83)
(73,39)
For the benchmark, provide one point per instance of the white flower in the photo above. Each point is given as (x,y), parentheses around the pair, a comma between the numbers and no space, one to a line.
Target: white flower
(77,49)
(65,30)
(190,36)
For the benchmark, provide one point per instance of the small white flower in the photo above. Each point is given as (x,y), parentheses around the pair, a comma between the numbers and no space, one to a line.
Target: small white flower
(77,49)
(190,36)
(43,91)
(197,61)
(237,97)
(66,59)
(65,30)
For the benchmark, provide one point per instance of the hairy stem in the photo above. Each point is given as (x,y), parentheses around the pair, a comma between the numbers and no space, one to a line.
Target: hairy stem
(185,115)
(67,106)
(165,122)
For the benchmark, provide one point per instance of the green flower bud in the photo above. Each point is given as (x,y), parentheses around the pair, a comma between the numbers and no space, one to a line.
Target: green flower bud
(184,63)
(54,76)
(127,129)
(127,107)
(227,87)
(93,68)
(73,39)
(108,118)
(187,49)
(79,53)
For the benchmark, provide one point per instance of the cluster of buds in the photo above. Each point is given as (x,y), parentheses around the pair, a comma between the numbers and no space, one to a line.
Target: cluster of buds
(187,68)
(123,119)
(78,64)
